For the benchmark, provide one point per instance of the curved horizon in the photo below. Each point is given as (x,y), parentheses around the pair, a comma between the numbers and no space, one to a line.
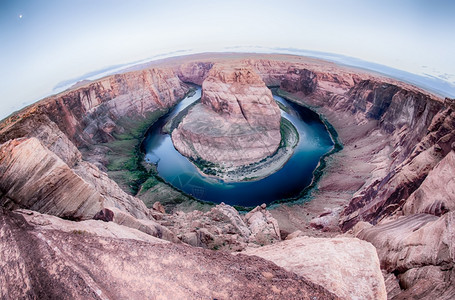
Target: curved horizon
(43,44)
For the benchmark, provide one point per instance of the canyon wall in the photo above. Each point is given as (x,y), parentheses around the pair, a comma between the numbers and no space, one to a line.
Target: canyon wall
(42,166)
(414,178)
(92,113)
(402,202)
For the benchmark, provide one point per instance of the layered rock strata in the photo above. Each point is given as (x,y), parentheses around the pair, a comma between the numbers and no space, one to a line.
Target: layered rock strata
(237,123)
(396,166)
(92,113)
(419,250)
(33,177)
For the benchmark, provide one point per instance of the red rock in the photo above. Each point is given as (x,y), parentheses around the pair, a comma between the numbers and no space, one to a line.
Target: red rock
(418,249)
(33,177)
(46,262)
(436,194)
(238,122)
(158,207)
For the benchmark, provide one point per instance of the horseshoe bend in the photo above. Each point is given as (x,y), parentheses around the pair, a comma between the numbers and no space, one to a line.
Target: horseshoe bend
(238,117)
(81,195)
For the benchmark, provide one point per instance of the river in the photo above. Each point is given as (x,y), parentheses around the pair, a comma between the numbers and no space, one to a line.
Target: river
(286,183)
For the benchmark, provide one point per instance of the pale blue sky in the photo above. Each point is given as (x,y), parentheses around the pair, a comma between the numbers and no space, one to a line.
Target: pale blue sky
(45,42)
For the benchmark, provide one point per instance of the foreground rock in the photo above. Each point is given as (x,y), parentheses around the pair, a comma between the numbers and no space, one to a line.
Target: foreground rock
(237,123)
(347,267)
(223,228)
(419,250)
(43,259)
(33,177)
(436,194)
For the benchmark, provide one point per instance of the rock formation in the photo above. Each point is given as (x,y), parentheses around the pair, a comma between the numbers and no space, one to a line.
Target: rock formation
(237,123)
(43,257)
(391,185)
(33,177)
(436,194)
(195,73)
(300,81)
(347,267)
(223,228)
(419,250)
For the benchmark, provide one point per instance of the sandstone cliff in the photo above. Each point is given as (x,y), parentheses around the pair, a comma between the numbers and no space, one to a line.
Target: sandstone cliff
(194,72)
(419,250)
(92,113)
(390,193)
(414,131)
(393,179)
(238,122)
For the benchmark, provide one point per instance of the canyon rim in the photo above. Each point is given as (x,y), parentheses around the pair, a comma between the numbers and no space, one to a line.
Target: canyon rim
(83,216)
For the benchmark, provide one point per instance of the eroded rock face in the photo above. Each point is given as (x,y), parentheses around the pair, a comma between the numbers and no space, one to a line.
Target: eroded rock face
(44,258)
(436,194)
(92,113)
(388,195)
(194,72)
(50,135)
(238,122)
(297,80)
(419,249)
(33,177)
(223,228)
(348,267)
(113,195)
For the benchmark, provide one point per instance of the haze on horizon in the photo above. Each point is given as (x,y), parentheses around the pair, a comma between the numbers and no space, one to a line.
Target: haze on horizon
(44,43)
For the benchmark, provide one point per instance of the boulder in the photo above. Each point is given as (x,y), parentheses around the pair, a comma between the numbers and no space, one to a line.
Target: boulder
(264,228)
(158,207)
(348,267)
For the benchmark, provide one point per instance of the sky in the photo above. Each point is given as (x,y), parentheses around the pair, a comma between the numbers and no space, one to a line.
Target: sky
(46,42)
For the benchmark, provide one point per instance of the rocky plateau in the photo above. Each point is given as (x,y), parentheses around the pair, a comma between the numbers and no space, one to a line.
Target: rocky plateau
(379,225)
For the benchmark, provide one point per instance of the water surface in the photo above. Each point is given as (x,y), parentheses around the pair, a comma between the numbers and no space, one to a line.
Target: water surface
(288,182)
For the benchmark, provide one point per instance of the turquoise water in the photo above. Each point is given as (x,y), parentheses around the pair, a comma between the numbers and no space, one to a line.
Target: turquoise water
(288,182)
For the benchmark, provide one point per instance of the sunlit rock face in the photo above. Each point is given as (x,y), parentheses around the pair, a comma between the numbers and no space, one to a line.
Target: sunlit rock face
(348,267)
(237,123)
